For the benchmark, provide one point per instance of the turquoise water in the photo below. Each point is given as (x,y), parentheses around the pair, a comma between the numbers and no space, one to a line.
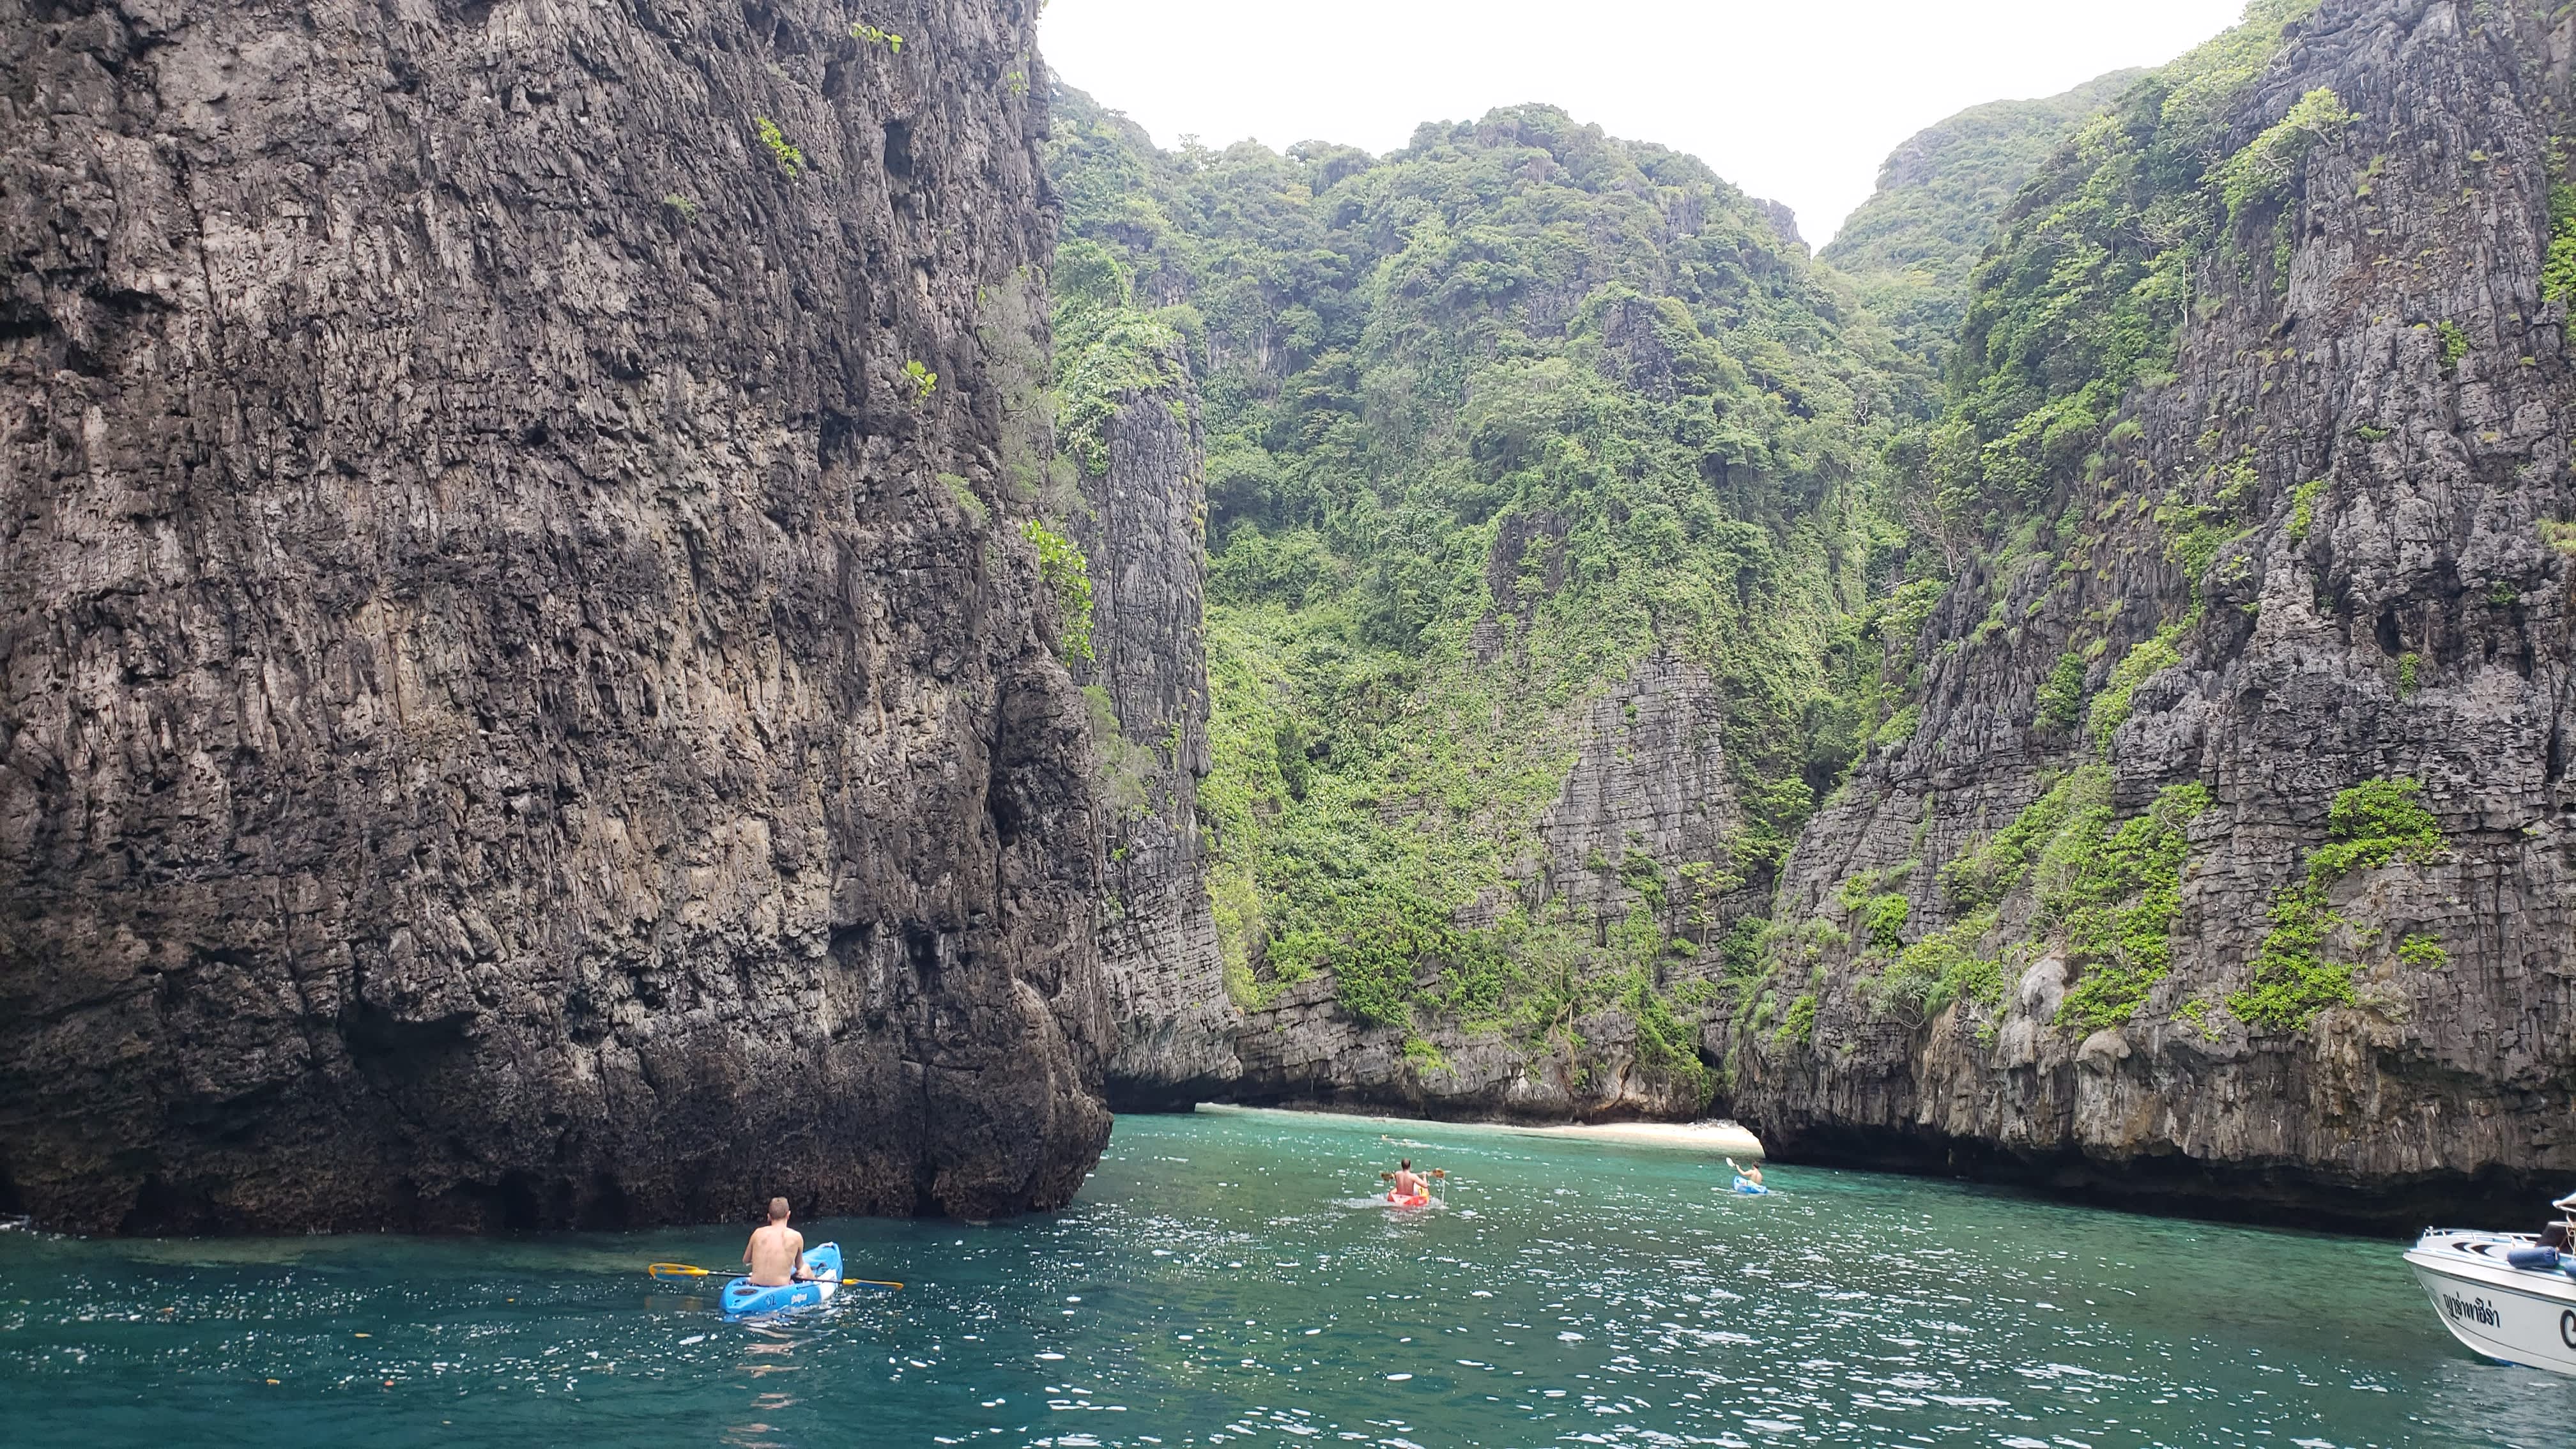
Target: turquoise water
(1222,1281)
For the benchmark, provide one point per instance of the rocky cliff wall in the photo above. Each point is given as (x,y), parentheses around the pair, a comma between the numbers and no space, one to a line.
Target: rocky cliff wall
(2319,554)
(1144,529)
(1472,507)
(521,702)
(1649,786)
(1629,846)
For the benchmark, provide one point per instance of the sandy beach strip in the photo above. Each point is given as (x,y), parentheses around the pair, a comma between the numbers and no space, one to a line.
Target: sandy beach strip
(1724,1139)
(1712,1139)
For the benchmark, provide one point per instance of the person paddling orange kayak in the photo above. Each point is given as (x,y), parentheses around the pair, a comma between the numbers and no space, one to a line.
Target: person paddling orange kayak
(1410,1191)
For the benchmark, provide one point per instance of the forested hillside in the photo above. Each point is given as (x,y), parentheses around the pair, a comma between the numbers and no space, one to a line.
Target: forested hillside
(2138,754)
(1511,419)
(1912,245)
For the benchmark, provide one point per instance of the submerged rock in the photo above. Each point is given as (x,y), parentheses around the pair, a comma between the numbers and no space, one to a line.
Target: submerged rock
(522,697)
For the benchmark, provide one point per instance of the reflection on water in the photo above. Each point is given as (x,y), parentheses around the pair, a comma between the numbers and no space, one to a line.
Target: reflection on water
(1241,1280)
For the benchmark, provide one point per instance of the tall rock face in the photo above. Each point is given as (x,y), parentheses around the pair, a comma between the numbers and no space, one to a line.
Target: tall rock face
(2230,862)
(1648,786)
(522,699)
(1143,526)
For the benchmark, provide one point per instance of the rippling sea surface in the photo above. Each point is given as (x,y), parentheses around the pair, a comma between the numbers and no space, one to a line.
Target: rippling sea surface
(1225,1280)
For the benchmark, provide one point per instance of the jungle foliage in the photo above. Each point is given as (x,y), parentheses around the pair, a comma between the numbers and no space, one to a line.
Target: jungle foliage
(1488,420)
(1913,244)
(2086,287)
(1494,417)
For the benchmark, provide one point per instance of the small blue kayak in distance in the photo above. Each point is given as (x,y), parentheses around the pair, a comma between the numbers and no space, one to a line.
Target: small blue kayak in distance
(1750,1188)
(745,1299)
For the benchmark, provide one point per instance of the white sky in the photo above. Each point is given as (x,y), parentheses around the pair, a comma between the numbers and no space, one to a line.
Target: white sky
(1796,100)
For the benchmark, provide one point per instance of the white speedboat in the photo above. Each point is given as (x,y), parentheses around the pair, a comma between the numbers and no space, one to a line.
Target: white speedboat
(2517,1314)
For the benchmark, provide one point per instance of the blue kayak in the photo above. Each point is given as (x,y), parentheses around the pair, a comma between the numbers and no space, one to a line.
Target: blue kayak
(1750,1188)
(744,1299)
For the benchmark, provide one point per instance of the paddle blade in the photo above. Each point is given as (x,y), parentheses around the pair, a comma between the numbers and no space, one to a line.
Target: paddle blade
(677,1270)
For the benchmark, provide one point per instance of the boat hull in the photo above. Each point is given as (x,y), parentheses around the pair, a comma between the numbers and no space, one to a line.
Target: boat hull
(2521,1316)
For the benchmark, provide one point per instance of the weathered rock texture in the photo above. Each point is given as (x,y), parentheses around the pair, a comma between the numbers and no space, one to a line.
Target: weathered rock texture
(1648,792)
(2417,628)
(1146,539)
(1651,785)
(502,720)
(1305,1049)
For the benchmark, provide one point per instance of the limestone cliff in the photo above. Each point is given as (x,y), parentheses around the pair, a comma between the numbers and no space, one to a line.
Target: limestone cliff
(523,699)
(1527,531)
(1648,788)
(2297,629)
(1143,527)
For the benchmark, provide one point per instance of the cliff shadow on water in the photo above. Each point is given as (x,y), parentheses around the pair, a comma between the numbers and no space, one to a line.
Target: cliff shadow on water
(2293,1195)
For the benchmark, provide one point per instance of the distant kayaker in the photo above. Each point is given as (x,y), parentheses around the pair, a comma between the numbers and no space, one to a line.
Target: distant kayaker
(1752,1174)
(1408,1185)
(776,1253)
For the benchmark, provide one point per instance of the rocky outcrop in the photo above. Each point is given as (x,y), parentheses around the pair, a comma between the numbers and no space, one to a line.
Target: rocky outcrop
(1649,793)
(521,699)
(1783,219)
(1305,1049)
(1641,821)
(1145,536)
(2366,442)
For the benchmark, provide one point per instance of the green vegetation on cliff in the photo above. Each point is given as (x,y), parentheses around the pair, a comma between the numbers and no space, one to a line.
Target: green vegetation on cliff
(2081,300)
(2084,291)
(2105,893)
(1913,244)
(1493,419)
(1489,421)
(2371,825)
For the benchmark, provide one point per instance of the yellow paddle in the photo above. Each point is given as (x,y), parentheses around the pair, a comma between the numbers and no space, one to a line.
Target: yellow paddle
(683,1270)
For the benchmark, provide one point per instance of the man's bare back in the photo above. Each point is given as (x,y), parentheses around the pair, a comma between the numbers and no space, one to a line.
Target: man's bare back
(776,1253)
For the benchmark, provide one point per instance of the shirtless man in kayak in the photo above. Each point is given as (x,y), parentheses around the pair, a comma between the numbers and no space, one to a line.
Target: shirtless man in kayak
(1751,1174)
(1408,1185)
(776,1253)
